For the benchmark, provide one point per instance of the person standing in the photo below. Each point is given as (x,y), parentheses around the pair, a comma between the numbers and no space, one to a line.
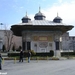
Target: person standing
(1,62)
(21,56)
(29,55)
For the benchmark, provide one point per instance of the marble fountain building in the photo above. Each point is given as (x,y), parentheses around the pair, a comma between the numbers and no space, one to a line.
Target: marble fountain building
(41,35)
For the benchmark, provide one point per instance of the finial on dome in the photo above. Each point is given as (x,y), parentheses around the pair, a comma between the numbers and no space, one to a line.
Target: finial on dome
(26,13)
(39,8)
(57,14)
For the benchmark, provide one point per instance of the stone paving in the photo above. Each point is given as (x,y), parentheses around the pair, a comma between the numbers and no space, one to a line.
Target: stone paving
(38,67)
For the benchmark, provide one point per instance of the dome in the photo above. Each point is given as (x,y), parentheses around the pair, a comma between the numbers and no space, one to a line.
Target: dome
(25,19)
(39,16)
(57,19)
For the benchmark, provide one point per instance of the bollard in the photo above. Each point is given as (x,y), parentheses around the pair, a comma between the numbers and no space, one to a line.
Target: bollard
(3,61)
(15,60)
(47,57)
(27,59)
(37,58)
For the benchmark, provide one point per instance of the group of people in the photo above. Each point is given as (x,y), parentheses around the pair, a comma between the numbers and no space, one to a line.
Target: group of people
(21,56)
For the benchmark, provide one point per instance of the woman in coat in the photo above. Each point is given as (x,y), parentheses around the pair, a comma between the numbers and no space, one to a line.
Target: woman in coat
(21,56)
(29,55)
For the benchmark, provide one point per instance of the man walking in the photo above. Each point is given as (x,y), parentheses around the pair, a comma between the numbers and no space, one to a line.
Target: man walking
(21,56)
(29,55)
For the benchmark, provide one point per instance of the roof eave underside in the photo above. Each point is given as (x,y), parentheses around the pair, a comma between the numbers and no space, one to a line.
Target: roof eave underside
(17,29)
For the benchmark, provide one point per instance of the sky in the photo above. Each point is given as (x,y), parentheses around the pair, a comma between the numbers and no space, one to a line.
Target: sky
(12,11)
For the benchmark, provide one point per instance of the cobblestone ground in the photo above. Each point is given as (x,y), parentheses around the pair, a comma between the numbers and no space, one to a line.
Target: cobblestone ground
(40,67)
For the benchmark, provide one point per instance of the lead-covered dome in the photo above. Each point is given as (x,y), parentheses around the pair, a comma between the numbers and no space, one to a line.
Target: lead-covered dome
(39,16)
(26,19)
(57,19)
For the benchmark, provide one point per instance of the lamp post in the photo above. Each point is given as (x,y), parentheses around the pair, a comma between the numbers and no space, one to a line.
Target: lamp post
(1,25)
(1,41)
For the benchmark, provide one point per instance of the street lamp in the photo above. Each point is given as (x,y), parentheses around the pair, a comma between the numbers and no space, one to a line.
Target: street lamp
(1,25)
(1,40)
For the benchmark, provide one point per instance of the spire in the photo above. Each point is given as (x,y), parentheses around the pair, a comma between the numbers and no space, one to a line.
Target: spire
(39,9)
(26,13)
(57,14)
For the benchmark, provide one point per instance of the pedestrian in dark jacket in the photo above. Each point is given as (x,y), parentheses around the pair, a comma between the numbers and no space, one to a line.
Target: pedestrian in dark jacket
(29,55)
(21,56)
(1,62)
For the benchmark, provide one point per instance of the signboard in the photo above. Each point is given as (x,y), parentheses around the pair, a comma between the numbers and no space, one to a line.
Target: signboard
(43,38)
(35,38)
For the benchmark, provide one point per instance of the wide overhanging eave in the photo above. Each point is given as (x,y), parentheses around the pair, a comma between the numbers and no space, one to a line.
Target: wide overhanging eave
(17,29)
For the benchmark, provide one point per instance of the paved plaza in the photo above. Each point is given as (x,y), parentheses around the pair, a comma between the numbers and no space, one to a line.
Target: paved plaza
(40,67)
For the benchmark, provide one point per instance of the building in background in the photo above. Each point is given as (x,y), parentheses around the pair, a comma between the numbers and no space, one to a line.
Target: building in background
(68,42)
(7,36)
(72,43)
(2,39)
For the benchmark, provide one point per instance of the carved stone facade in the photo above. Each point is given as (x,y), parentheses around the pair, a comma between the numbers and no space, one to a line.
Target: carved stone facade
(40,42)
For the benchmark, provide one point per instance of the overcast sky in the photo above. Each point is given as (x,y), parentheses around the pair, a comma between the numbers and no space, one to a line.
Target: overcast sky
(12,11)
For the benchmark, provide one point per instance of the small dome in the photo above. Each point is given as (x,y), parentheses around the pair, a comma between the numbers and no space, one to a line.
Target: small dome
(39,15)
(25,19)
(57,19)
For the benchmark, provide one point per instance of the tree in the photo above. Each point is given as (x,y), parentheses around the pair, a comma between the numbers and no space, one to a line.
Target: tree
(51,52)
(9,37)
(3,48)
(13,48)
(20,47)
